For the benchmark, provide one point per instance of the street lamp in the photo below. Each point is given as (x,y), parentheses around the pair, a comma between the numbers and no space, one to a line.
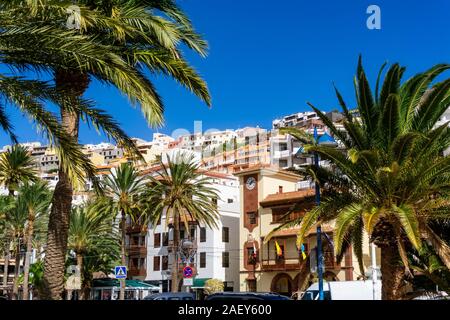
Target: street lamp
(187,252)
(325,140)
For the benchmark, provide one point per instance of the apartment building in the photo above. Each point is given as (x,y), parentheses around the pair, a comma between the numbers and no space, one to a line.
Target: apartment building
(267,195)
(286,151)
(215,250)
(249,146)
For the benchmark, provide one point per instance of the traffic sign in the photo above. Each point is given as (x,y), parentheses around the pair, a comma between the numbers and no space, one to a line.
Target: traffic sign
(120,272)
(188,282)
(188,272)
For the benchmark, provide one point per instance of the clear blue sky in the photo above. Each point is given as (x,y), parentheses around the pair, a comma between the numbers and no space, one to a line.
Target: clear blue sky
(268,58)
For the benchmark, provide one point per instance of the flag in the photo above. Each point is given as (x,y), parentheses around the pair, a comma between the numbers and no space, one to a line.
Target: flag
(279,251)
(328,239)
(302,248)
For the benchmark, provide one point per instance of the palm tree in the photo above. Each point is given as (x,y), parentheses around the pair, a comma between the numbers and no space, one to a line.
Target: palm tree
(6,204)
(115,43)
(16,168)
(36,200)
(391,179)
(122,189)
(16,219)
(89,230)
(181,193)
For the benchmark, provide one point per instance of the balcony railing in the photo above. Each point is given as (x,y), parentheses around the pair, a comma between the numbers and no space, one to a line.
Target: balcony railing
(137,250)
(281,154)
(137,272)
(136,229)
(285,264)
(294,263)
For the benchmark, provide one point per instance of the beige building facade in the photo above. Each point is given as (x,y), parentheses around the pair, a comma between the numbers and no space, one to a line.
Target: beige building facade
(267,196)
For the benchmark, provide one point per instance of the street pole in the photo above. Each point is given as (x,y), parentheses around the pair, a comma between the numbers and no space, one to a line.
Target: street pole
(319,228)
(374,271)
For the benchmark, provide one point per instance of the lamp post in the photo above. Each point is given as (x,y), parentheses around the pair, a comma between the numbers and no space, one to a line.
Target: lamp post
(329,141)
(319,227)
(187,252)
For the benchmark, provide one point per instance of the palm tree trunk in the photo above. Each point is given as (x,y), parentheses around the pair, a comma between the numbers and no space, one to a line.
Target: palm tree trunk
(16,272)
(123,255)
(80,267)
(176,243)
(74,84)
(6,266)
(392,273)
(26,268)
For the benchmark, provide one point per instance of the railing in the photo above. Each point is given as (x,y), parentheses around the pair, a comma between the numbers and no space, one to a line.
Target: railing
(137,272)
(294,263)
(281,264)
(281,154)
(135,249)
(136,229)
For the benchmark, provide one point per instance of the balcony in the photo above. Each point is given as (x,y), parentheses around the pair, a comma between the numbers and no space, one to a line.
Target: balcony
(294,263)
(281,154)
(136,229)
(287,264)
(134,250)
(137,272)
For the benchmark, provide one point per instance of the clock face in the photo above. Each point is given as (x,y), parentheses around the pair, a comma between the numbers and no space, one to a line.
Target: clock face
(250,183)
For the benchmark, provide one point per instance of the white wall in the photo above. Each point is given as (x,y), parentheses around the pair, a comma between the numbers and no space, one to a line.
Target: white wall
(213,246)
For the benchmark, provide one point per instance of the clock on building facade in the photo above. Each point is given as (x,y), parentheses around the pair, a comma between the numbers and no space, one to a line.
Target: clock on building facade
(250,183)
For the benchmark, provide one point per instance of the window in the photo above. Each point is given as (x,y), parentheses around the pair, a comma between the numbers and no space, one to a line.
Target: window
(252,256)
(251,217)
(165,237)
(225,234)
(225,259)
(202,234)
(135,263)
(192,231)
(202,259)
(157,240)
(156,263)
(182,234)
(282,163)
(142,263)
(165,262)
(230,200)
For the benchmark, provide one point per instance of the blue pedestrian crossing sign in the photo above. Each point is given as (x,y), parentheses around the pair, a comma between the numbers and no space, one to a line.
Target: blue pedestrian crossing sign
(120,272)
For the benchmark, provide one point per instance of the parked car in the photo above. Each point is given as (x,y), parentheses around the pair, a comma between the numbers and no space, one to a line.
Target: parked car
(246,296)
(171,296)
(343,290)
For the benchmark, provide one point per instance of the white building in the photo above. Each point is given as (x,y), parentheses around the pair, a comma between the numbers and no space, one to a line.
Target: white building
(217,250)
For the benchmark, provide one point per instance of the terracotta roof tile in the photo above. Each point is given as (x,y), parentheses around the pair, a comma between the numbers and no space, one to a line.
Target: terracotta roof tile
(286,197)
(290,232)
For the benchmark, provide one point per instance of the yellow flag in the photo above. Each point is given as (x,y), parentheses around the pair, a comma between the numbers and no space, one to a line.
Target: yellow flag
(277,246)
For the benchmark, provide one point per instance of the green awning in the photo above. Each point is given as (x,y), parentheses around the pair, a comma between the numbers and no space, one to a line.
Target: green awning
(199,282)
(108,283)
